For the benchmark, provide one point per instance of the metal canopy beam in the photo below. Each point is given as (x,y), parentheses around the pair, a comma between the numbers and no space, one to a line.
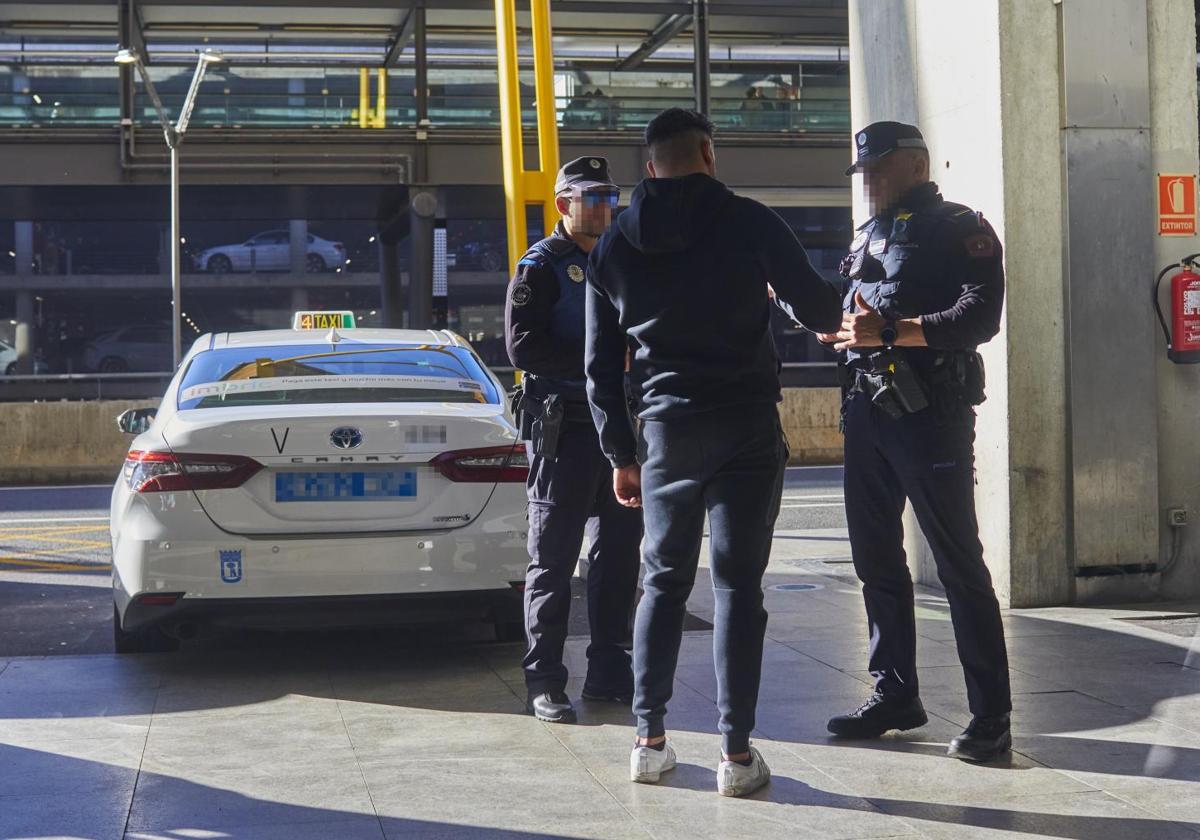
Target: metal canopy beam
(662,34)
(403,36)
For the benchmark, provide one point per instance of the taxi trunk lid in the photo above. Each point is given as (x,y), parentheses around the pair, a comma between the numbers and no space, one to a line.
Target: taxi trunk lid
(347,468)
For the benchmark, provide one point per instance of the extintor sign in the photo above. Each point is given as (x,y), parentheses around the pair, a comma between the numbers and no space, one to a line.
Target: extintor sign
(1177,205)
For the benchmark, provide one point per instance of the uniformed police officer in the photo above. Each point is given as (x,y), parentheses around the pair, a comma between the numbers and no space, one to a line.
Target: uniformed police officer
(569,479)
(926,287)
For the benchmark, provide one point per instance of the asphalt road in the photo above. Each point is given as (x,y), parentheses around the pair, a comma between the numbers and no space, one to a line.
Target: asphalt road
(54,559)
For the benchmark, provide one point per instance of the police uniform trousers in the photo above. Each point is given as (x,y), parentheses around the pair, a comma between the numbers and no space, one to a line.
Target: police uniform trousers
(567,494)
(927,458)
(728,463)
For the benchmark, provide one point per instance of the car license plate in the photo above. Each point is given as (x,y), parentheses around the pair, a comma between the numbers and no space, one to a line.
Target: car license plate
(345,486)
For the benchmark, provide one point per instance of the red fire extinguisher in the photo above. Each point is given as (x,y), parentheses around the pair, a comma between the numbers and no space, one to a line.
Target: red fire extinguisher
(1183,336)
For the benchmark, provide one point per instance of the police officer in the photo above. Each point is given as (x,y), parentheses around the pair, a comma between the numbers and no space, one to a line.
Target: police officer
(686,272)
(926,287)
(569,485)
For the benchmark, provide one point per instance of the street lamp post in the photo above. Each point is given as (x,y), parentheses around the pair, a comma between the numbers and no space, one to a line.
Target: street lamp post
(174,137)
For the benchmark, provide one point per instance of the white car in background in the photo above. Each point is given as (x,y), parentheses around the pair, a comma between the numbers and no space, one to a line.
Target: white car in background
(8,361)
(321,477)
(271,251)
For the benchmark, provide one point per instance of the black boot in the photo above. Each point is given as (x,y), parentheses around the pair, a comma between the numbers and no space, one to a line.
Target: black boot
(619,690)
(879,715)
(551,706)
(985,739)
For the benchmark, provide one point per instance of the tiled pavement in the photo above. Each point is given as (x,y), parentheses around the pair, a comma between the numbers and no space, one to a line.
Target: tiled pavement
(308,741)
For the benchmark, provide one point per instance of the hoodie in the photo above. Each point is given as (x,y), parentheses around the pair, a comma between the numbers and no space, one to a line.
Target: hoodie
(684,275)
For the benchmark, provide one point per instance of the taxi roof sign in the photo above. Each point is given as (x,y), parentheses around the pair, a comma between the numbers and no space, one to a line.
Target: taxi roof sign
(323,320)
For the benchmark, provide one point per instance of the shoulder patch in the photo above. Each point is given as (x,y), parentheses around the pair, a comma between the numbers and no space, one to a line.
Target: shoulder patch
(521,294)
(980,245)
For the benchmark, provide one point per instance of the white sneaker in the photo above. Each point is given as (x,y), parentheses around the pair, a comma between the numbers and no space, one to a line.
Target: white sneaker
(646,765)
(735,779)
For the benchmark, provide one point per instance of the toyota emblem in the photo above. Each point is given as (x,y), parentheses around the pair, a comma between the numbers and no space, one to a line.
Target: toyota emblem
(346,437)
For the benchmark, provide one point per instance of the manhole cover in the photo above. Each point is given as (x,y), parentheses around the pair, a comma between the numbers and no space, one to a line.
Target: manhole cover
(795,587)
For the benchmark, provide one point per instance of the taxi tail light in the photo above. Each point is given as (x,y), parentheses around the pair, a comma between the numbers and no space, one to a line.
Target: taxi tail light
(491,464)
(166,472)
(167,599)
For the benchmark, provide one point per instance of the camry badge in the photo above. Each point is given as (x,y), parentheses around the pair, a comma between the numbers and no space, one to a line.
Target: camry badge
(346,437)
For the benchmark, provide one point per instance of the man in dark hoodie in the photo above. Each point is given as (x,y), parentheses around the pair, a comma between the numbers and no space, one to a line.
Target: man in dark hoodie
(686,273)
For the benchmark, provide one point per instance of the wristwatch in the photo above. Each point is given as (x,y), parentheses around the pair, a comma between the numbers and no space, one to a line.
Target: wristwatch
(889,334)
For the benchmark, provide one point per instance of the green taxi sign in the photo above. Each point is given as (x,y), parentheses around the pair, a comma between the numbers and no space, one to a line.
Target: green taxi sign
(320,320)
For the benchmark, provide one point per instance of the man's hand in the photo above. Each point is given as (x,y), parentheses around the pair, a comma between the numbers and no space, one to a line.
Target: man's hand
(860,329)
(627,485)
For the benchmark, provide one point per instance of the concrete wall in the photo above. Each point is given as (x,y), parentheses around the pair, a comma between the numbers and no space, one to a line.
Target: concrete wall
(982,79)
(1175,148)
(78,442)
(62,442)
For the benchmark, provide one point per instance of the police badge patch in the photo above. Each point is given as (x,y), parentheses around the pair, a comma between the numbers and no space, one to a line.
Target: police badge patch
(521,294)
(575,272)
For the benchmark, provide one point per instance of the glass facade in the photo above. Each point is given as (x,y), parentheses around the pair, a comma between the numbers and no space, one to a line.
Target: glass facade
(96,289)
(791,99)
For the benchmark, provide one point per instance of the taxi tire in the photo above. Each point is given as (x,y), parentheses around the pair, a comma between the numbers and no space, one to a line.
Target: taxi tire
(147,640)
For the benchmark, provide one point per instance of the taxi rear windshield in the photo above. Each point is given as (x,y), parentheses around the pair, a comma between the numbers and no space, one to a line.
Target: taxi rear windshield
(323,373)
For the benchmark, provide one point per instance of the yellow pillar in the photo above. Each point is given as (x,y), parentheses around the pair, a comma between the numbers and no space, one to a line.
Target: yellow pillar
(364,97)
(522,186)
(547,116)
(381,100)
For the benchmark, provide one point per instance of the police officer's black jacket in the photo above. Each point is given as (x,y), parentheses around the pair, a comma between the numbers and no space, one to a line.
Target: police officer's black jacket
(933,259)
(684,273)
(543,313)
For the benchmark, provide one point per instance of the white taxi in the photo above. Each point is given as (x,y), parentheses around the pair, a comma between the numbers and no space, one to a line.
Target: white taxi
(317,476)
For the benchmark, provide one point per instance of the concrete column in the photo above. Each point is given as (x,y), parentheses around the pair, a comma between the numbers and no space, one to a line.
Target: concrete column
(985,82)
(23,332)
(1174,147)
(298,245)
(23,247)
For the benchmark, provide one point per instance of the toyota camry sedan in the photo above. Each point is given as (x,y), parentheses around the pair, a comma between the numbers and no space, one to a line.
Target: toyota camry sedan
(319,476)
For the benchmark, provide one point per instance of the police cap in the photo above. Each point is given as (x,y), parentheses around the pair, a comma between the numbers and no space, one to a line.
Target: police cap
(583,172)
(882,138)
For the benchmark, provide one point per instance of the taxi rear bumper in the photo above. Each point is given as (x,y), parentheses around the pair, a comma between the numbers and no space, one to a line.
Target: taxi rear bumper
(189,617)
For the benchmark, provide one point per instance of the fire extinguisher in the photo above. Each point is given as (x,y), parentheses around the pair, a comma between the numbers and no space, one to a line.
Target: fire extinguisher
(1183,336)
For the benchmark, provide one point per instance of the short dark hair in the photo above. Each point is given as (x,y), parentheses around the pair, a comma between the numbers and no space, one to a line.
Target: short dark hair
(674,122)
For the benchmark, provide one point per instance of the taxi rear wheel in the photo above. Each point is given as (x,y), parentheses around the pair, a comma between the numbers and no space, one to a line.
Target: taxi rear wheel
(147,640)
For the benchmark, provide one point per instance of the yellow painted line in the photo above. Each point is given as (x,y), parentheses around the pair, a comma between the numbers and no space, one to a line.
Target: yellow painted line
(52,527)
(52,566)
(59,542)
(41,552)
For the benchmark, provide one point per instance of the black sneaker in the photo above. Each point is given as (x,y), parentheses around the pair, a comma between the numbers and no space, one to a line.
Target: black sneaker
(551,706)
(600,694)
(879,715)
(985,739)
